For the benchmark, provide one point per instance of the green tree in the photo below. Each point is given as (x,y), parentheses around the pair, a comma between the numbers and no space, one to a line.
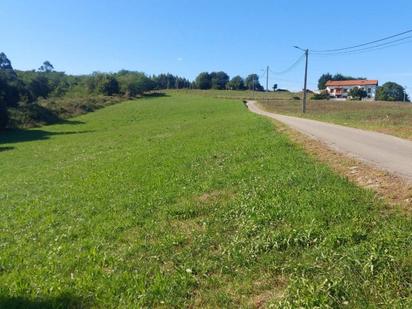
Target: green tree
(357,93)
(3,106)
(46,67)
(203,81)
(339,76)
(39,87)
(5,63)
(169,81)
(391,91)
(219,80)
(323,80)
(10,85)
(100,83)
(275,87)
(236,83)
(4,117)
(327,77)
(252,82)
(133,84)
(109,86)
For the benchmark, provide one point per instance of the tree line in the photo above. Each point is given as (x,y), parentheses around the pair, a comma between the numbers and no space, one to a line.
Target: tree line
(221,81)
(23,91)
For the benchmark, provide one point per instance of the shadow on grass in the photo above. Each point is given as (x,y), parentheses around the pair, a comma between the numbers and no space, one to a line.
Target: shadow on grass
(155,95)
(68,121)
(63,301)
(21,135)
(5,148)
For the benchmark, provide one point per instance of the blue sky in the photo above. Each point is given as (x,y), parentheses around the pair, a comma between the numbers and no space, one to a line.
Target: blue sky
(186,37)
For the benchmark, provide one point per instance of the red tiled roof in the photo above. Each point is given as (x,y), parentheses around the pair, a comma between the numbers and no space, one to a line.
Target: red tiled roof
(356,82)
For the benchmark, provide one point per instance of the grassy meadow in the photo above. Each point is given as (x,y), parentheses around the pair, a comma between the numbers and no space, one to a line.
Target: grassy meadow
(393,118)
(189,200)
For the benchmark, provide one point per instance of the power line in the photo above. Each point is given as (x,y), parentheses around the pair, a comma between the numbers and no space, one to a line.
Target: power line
(292,66)
(386,44)
(364,44)
(362,51)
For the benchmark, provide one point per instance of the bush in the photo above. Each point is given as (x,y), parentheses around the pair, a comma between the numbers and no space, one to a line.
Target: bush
(133,84)
(357,93)
(31,115)
(320,96)
(54,110)
(391,91)
(101,83)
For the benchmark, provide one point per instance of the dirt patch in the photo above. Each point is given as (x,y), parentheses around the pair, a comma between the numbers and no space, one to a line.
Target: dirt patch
(214,196)
(188,227)
(270,290)
(393,189)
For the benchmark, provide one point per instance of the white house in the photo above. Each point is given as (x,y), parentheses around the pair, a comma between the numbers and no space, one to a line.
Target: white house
(340,88)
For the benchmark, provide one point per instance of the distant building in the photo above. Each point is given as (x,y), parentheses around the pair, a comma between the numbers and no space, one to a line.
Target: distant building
(340,88)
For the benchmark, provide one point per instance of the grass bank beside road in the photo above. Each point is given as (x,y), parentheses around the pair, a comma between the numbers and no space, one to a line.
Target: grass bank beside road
(393,118)
(188,200)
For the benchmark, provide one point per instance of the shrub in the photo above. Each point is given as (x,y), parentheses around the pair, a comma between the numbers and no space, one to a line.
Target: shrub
(133,84)
(391,91)
(53,110)
(320,96)
(357,93)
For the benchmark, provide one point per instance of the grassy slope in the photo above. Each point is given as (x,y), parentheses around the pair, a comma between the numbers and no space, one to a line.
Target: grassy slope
(188,200)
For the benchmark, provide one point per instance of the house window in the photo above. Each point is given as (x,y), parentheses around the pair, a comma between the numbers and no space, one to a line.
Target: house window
(369,90)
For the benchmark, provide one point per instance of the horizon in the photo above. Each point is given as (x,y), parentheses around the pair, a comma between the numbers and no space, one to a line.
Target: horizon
(188,38)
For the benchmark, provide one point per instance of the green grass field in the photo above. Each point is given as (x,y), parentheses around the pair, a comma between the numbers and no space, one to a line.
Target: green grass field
(188,200)
(393,118)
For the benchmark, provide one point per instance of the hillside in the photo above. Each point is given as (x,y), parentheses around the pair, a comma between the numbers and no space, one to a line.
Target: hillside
(188,200)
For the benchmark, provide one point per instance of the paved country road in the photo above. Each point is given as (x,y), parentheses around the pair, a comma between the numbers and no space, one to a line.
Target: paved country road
(381,150)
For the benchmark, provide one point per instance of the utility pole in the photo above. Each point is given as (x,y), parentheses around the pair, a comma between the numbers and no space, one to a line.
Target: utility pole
(267,79)
(306,78)
(306,81)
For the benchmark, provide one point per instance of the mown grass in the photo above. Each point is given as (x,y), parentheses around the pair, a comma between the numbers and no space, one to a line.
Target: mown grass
(188,201)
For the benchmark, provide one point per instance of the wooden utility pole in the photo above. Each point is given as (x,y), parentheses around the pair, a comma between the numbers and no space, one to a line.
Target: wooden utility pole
(306,77)
(306,81)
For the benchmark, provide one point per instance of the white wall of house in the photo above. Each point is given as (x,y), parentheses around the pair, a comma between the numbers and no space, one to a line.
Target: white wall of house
(370,90)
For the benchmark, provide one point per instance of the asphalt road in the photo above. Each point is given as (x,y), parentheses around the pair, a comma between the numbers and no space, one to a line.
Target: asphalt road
(384,151)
